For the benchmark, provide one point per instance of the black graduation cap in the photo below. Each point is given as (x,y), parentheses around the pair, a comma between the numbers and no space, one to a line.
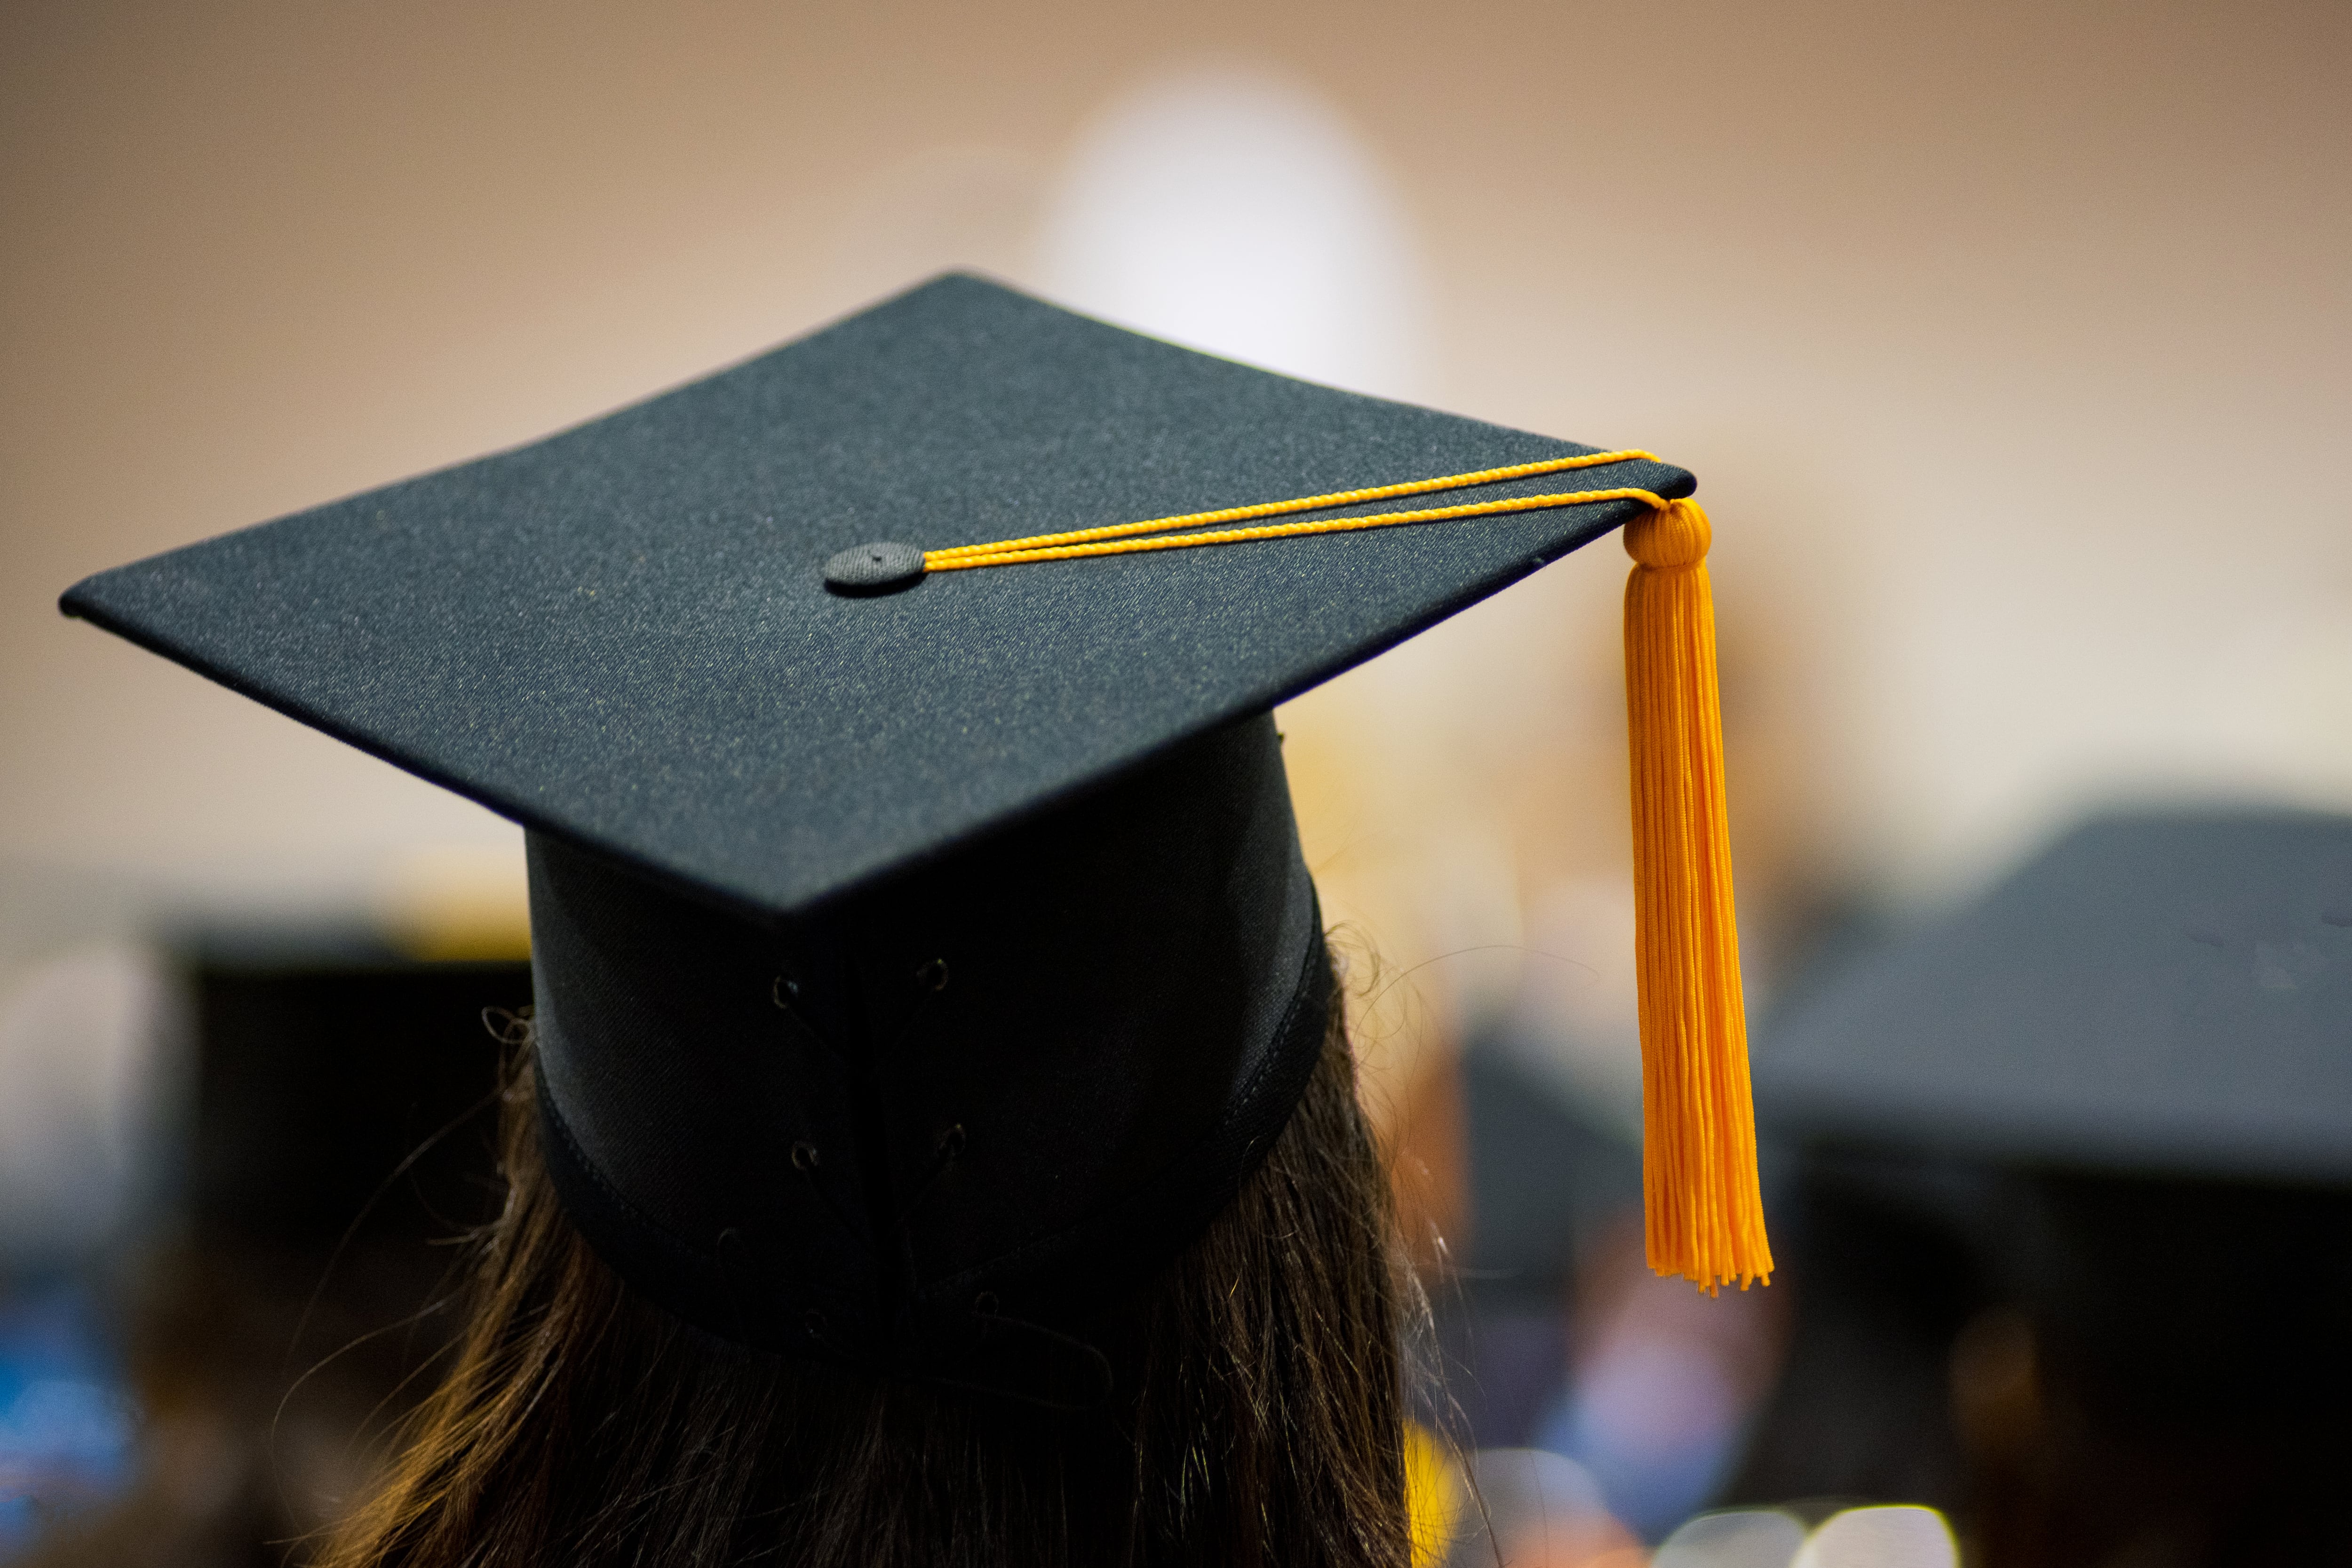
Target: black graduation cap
(906,961)
(2161,993)
(2117,1087)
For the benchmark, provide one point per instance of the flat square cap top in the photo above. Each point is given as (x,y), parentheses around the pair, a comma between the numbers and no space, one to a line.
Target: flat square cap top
(622,634)
(2155,993)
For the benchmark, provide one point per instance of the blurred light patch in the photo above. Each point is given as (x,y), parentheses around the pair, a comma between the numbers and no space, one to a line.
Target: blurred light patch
(458,903)
(1661,1388)
(1736,1538)
(1542,1511)
(67,1423)
(1655,1423)
(1893,1537)
(1239,212)
(82,1036)
(1435,1499)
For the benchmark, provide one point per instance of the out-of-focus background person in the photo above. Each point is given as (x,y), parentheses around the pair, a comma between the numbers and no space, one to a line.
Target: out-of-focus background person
(2077,1172)
(2009,345)
(215,1380)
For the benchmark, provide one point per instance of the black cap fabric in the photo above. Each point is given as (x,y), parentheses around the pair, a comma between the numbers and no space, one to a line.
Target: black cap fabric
(2158,994)
(917,969)
(973,1102)
(622,634)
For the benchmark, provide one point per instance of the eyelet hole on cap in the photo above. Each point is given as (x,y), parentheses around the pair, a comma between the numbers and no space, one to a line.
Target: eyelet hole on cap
(933,976)
(985,1303)
(951,1141)
(804,1157)
(814,1322)
(785,992)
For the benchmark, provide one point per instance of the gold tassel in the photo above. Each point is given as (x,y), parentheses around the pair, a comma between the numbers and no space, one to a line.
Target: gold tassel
(1705,1215)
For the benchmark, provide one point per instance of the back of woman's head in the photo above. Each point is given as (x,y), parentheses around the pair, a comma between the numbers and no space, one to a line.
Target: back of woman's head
(1255,1414)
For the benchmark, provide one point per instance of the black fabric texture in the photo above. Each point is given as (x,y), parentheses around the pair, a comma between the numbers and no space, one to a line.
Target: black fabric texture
(937,1127)
(917,971)
(621,636)
(2163,993)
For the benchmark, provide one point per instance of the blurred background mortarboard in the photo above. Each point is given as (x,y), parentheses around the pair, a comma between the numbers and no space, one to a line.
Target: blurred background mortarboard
(282,1289)
(2074,1203)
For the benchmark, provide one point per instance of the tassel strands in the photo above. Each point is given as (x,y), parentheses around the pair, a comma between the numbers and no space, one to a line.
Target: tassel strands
(1704,1214)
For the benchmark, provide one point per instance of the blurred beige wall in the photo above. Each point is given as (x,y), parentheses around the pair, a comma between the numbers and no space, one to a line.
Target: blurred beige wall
(2010,344)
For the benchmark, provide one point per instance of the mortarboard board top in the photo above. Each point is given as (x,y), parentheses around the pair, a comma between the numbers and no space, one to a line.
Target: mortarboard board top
(2168,993)
(622,634)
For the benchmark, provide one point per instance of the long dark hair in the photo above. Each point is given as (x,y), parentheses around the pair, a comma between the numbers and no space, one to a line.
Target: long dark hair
(1262,1423)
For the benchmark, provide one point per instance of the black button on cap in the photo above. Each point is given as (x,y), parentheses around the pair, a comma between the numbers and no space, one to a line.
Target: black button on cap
(874,568)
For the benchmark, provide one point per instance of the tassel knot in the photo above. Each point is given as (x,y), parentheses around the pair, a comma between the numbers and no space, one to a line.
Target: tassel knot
(1674,535)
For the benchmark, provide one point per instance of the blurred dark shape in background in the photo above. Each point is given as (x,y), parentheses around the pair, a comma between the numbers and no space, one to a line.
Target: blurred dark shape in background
(292,1297)
(1554,1335)
(1548,1187)
(1876,1255)
(2071,1226)
(2080,1368)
